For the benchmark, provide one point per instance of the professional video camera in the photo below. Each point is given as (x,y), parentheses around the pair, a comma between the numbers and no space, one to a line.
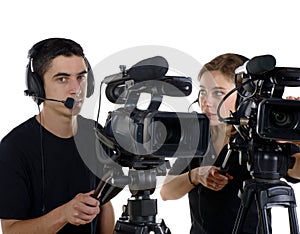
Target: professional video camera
(263,120)
(142,139)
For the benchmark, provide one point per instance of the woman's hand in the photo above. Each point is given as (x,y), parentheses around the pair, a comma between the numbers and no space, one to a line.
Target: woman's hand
(210,177)
(293,98)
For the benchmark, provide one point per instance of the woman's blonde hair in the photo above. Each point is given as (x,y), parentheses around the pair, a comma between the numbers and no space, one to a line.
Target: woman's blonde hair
(225,63)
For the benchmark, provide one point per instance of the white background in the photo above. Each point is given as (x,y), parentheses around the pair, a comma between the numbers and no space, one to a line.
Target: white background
(202,29)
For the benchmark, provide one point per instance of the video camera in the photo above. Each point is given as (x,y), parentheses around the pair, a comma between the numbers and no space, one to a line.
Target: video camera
(264,121)
(263,118)
(280,119)
(139,138)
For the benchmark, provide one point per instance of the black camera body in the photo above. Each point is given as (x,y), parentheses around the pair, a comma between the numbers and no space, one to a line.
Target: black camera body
(271,116)
(264,118)
(143,138)
(158,133)
(279,119)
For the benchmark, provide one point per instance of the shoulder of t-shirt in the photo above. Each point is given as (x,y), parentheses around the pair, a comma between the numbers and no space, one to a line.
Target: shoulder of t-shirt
(22,130)
(89,123)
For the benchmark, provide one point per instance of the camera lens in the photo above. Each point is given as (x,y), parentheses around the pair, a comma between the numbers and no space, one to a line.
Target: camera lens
(281,119)
(167,131)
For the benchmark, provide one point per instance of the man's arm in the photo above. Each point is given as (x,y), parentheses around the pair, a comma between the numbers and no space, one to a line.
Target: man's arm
(106,219)
(80,210)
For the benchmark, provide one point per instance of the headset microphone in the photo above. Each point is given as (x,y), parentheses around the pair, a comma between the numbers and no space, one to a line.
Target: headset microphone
(69,102)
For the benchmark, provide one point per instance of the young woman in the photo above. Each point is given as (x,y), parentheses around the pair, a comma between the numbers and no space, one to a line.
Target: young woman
(213,196)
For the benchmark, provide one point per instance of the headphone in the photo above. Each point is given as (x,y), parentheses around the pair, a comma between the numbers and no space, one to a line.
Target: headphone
(35,84)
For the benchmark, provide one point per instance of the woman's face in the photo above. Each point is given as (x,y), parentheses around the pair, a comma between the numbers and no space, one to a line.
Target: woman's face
(213,87)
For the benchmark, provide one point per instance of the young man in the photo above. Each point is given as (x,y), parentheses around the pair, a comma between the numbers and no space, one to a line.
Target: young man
(45,186)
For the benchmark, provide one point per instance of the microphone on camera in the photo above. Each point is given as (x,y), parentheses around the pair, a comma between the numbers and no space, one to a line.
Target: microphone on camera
(256,68)
(258,65)
(69,102)
(148,69)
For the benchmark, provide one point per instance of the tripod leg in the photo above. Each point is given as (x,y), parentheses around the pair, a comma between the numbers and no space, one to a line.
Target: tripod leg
(264,223)
(239,222)
(246,201)
(294,229)
(162,228)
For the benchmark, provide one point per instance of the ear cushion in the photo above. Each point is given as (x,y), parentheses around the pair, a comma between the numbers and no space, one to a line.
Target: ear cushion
(90,84)
(34,84)
(90,80)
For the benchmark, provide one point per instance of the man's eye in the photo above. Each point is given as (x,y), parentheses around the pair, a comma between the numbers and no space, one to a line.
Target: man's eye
(83,77)
(61,79)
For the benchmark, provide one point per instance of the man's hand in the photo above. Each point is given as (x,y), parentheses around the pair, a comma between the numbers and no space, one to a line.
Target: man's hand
(82,209)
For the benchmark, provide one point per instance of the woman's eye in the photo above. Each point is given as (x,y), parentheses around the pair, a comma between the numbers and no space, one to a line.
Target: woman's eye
(202,93)
(219,94)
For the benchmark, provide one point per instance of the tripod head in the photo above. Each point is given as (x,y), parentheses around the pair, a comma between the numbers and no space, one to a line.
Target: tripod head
(139,215)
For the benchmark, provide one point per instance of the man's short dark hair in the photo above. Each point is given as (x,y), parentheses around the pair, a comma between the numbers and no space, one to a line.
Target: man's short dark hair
(43,52)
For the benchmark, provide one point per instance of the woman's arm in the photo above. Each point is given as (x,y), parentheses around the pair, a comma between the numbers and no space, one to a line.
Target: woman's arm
(176,187)
(295,171)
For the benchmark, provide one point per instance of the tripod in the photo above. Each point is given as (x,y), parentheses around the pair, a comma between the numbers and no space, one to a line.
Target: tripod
(139,215)
(268,191)
(267,195)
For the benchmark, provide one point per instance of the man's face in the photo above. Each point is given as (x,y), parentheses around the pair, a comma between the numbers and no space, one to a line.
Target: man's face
(66,77)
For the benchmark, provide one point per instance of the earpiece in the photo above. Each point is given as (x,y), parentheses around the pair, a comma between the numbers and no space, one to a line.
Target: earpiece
(242,57)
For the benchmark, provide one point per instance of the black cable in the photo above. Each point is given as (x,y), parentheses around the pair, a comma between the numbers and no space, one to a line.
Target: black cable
(192,104)
(42,161)
(221,119)
(99,105)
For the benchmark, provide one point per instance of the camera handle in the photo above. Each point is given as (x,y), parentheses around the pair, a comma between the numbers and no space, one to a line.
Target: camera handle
(224,168)
(102,183)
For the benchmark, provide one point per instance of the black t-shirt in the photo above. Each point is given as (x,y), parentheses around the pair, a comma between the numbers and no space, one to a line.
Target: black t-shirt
(214,212)
(28,152)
